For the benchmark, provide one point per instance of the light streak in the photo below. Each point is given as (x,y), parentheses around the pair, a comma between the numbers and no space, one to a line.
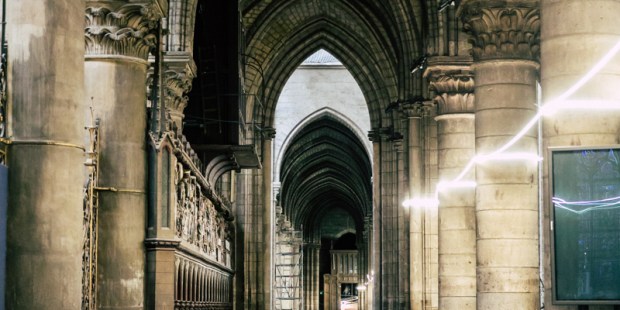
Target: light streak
(546,109)
(507,156)
(421,202)
(554,104)
(443,185)
(592,205)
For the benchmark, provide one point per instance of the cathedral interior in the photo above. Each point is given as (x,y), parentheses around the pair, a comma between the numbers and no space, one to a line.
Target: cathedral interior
(310,154)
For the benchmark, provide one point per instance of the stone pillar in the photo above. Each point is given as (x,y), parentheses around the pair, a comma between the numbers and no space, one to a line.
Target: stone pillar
(375,256)
(504,36)
(312,300)
(414,113)
(118,39)
(268,217)
(389,204)
(587,31)
(453,86)
(402,222)
(365,299)
(46,158)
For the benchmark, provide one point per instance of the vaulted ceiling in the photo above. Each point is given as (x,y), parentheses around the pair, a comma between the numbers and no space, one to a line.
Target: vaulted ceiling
(376,40)
(325,167)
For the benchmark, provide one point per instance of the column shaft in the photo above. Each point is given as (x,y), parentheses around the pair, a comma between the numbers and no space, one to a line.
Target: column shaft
(118,92)
(505,70)
(452,83)
(403,218)
(375,272)
(389,227)
(507,192)
(46,159)
(115,83)
(457,222)
(267,218)
(416,221)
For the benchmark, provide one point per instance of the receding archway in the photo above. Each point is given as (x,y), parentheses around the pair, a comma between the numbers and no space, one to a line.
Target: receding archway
(322,165)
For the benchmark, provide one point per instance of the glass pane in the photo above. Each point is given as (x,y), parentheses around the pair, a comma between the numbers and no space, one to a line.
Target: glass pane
(586,205)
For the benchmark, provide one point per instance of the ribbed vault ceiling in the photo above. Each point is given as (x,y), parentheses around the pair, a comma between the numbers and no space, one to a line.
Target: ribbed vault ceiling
(376,40)
(325,167)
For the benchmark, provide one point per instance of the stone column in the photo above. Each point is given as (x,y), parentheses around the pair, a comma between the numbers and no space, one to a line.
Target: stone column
(390,290)
(575,35)
(46,158)
(453,85)
(414,113)
(312,301)
(402,222)
(375,264)
(504,36)
(268,217)
(364,269)
(118,39)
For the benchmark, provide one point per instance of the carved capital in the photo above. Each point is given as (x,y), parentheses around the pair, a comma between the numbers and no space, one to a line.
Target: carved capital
(502,29)
(397,144)
(384,134)
(453,86)
(120,29)
(178,78)
(269,133)
(374,135)
(412,109)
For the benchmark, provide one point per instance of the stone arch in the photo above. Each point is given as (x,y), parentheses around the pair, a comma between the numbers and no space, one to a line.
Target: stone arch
(326,111)
(372,72)
(181,22)
(325,164)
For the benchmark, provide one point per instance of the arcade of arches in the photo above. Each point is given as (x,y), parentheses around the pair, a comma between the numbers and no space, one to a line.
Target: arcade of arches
(310,154)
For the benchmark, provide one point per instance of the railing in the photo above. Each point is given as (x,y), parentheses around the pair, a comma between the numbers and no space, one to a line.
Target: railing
(201,286)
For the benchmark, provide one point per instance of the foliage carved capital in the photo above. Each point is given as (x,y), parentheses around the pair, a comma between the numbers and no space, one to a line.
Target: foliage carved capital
(412,109)
(269,133)
(120,29)
(453,86)
(177,84)
(502,29)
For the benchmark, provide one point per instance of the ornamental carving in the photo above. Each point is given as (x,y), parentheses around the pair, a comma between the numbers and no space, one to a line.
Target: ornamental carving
(412,109)
(269,133)
(126,30)
(198,223)
(502,32)
(454,90)
(177,85)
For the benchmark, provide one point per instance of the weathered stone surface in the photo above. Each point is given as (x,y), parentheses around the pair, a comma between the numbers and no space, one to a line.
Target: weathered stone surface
(46,103)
